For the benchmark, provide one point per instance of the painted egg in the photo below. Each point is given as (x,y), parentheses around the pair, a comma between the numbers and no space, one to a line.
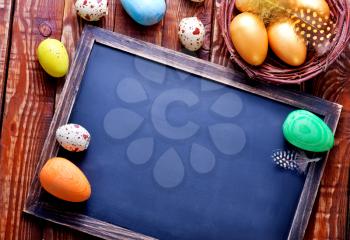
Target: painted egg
(307,131)
(73,137)
(249,37)
(64,180)
(145,12)
(53,57)
(319,6)
(191,33)
(91,10)
(286,44)
(247,6)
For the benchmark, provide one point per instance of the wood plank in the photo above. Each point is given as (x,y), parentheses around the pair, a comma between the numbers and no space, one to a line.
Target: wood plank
(27,113)
(219,53)
(330,215)
(176,11)
(6,15)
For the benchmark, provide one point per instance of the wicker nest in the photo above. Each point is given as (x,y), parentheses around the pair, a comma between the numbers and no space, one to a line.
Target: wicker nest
(273,70)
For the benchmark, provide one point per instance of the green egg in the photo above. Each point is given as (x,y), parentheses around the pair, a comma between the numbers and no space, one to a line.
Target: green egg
(53,57)
(307,131)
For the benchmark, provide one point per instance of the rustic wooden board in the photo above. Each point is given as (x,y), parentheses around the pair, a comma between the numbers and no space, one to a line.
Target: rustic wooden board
(219,52)
(329,110)
(6,16)
(331,211)
(29,105)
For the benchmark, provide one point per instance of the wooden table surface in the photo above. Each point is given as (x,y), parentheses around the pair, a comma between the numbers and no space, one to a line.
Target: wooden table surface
(28,97)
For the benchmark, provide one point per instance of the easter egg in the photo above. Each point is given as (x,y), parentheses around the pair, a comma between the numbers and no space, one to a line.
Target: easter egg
(145,12)
(197,1)
(91,10)
(73,137)
(307,131)
(53,57)
(247,5)
(191,33)
(249,37)
(64,180)
(286,44)
(319,6)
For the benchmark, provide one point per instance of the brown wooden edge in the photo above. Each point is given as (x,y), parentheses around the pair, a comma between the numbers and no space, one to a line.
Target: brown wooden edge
(93,35)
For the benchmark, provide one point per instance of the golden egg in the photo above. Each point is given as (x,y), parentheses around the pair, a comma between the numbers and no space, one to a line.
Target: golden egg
(249,37)
(64,180)
(286,44)
(319,6)
(246,6)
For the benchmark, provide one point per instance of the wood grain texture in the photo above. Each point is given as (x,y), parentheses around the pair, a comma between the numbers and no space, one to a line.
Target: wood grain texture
(6,16)
(219,52)
(27,114)
(331,211)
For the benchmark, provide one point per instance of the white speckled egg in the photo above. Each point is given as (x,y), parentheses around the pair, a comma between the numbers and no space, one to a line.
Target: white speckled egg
(191,33)
(73,137)
(91,10)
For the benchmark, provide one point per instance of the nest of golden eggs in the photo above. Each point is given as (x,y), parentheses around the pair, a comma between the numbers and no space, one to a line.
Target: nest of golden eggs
(285,41)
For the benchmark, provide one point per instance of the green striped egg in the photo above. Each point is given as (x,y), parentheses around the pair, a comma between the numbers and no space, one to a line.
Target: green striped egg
(307,131)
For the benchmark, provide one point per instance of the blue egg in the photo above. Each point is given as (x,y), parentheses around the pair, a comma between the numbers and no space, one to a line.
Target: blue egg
(145,12)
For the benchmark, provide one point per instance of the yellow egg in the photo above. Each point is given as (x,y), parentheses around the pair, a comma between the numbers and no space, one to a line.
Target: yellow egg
(246,6)
(53,57)
(319,6)
(286,44)
(64,180)
(249,37)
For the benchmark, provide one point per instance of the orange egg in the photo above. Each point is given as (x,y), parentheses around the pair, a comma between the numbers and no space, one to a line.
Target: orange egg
(246,6)
(64,180)
(249,37)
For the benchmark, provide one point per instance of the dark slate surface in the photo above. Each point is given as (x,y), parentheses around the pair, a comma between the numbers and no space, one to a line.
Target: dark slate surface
(175,156)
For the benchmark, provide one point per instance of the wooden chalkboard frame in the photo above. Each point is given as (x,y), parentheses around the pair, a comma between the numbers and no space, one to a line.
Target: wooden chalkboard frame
(91,35)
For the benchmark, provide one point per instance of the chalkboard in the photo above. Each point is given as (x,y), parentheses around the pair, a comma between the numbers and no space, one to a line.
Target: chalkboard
(180,149)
